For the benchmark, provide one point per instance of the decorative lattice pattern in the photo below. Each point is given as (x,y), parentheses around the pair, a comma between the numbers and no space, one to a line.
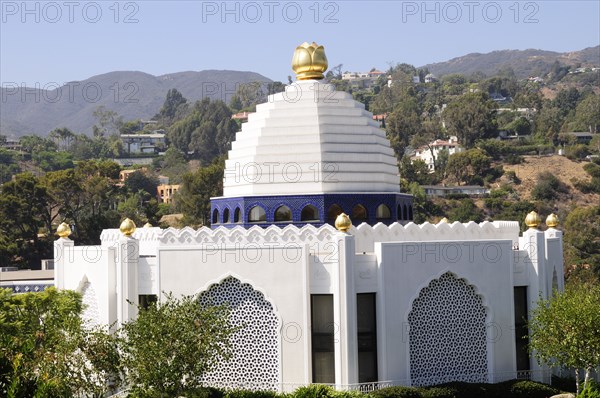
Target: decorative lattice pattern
(255,361)
(91,314)
(447,333)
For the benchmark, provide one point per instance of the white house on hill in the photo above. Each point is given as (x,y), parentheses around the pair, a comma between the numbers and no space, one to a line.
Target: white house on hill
(429,153)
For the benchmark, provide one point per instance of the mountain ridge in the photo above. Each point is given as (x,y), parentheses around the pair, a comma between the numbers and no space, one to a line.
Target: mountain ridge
(132,94)
(139,95)
(525,63)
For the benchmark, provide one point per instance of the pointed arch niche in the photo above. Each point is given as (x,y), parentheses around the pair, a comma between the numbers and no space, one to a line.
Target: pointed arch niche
(255,360)
(447,333)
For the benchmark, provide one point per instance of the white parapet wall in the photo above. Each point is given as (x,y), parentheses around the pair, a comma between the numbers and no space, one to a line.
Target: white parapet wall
(278,270)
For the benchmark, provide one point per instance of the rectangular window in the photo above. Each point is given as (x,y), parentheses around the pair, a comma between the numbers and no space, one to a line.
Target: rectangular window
(322,335)
(146,299)
(367,337)
(521,343)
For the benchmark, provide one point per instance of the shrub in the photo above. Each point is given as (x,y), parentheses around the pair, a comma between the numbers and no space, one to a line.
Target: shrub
(440,392)
(511,175)
(548,187)
(591,391)
(514,159)
(248,394)
(531,389)
(592,169)
(205,392)
(577,152)
(397,392)
(468,390)
(314,391)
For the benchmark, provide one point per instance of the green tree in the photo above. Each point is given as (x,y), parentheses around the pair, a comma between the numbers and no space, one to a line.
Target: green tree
(402,124)
(414,171)
(175,105)
(51,161)
(109,122)
(193,199)
(582,239)
(519,126)
(8,165)
(565,329)
(45,350)
(130,127)
(566,100)
(458,166)
(34,143)
(208,130)
(453,84)
(140,181)
(471,117)
(173,343)
(63,137)
(173,165)
(251,94)
(464,210)
(141,207)
(24,216)
(423,208)
(587,114)
(470,166)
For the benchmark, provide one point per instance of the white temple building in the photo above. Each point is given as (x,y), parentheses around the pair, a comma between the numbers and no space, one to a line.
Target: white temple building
(373,303)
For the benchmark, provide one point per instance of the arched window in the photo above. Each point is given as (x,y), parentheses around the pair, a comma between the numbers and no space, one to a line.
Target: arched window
(226,216)
(215,217)
(309,213)
(359,213)
(399,209)
(383,212)
(236,215)
(283,213)
(333,212)
(405,212)
(410,213)
(257,214)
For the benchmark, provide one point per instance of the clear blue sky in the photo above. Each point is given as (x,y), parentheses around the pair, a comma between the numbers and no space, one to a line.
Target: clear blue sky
(62,41)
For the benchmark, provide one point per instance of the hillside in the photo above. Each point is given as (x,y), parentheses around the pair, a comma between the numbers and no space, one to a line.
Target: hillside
(564,169)
(133,95)
(525,63)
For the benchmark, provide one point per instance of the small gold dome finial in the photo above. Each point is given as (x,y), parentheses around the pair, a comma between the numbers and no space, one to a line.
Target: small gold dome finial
(147,225)
(533,220)
(127,227)
(309,61)
(343,223)
(63,230)
(552,220)
(444,220)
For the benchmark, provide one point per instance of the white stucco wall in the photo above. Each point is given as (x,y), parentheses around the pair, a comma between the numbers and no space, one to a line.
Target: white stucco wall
(287,265)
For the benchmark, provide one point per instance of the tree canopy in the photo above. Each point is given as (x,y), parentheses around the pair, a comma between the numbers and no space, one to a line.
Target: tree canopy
(172,343)
(46,351)
(565,329)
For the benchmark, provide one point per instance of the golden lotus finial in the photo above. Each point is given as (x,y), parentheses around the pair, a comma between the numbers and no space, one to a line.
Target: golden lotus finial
(63,230)
(343,223)
(552,220)
(127,227)
(444,220)
(533,220)
(309,61)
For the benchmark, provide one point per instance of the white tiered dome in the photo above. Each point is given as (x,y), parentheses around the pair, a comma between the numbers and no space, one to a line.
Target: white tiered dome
(310,139)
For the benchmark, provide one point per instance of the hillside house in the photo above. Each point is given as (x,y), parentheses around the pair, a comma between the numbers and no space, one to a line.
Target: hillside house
(425,154)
